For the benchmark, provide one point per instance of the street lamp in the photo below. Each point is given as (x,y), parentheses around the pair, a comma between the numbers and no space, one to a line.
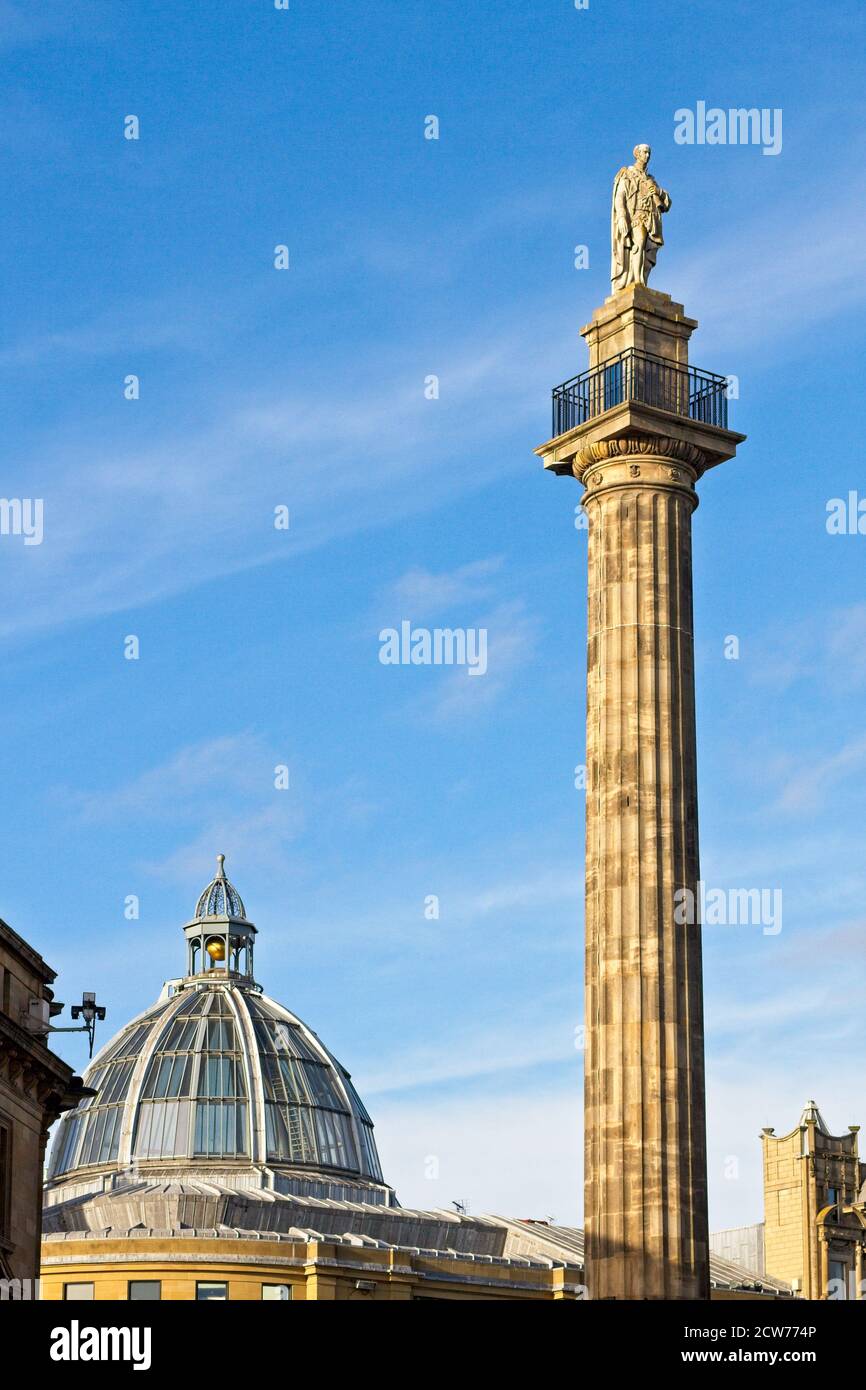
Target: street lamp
(90,1011)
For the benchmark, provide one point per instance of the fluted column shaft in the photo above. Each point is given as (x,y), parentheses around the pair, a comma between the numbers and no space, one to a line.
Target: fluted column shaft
(645,1185)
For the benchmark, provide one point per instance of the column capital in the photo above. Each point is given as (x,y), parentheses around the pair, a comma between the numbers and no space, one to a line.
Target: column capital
(658,462)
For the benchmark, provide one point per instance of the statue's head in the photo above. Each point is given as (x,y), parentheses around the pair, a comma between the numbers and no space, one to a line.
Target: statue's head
(642,155)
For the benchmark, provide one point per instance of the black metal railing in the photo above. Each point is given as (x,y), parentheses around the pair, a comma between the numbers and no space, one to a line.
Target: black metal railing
(641,377)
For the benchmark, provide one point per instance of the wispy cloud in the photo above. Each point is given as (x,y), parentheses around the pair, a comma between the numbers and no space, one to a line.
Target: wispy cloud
(826,646)
(475,1052)
(234,766)
(541,890)
(256,840)
(224,786)
(814,782)
(126,526)
(742,279)
(201,497)
(459,597)
(420,593)
(132,328)
(511,640)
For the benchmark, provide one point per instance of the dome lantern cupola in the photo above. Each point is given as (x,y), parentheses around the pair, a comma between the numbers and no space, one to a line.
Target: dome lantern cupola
(220,938)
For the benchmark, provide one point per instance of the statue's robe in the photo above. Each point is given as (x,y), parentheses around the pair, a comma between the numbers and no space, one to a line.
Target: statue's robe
(635,196)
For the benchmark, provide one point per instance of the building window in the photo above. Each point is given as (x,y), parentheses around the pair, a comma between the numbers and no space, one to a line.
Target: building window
(838,1279)
(207,1291)
(77,1293)
(283,1292)
(832,1195)
(142,1290)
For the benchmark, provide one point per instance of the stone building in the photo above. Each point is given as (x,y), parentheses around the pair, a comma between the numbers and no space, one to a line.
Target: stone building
(35,1087)
(813,1236)
(815,1208)
(224,1153)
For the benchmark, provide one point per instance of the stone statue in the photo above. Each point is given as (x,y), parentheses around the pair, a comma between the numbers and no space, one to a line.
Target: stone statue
(635,222)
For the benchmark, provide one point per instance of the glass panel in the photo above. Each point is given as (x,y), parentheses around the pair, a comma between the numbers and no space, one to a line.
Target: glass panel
(336,1149)
(321,1082)
(838,1274)
(181,1077)
(131,1043)
(94,1079)
(369,1158)
(291,1134)
(144,1290)
(77,1293)
(160,1085)
(357,1103)
(274,1292)
(204,1292)
(66,1141)
(221,1076)
(276,1034)
(115,1084)
(220,1129)
(187,1005)
(163,1129)
(221,1035)
(100,1136)
(111,1135)
(181,1036)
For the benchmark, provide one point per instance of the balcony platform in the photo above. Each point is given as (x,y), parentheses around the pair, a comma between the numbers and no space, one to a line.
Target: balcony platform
(636,418)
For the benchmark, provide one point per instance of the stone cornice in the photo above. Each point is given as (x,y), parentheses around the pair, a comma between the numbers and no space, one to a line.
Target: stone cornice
(31,1071)
(26,952)
(311,1255)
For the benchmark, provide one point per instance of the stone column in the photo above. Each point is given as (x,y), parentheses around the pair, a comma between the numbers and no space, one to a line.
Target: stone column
(646,1197)
(639,457)
(824,1265)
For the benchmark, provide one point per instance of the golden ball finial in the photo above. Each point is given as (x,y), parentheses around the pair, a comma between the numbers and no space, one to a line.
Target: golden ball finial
(216,948)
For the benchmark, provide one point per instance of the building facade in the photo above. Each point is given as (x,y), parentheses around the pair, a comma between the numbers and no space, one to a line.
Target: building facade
(815,1209)
(224,1153)
(813,1236)
(35,1087)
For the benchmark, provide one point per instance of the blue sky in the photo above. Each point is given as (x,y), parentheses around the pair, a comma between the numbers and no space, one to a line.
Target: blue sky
(305,387)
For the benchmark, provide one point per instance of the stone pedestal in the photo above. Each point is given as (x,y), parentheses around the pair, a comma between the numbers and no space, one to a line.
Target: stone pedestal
(640,318)
(646,1182)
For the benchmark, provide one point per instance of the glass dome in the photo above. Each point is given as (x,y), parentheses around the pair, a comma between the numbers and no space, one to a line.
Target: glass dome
(216,1073)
